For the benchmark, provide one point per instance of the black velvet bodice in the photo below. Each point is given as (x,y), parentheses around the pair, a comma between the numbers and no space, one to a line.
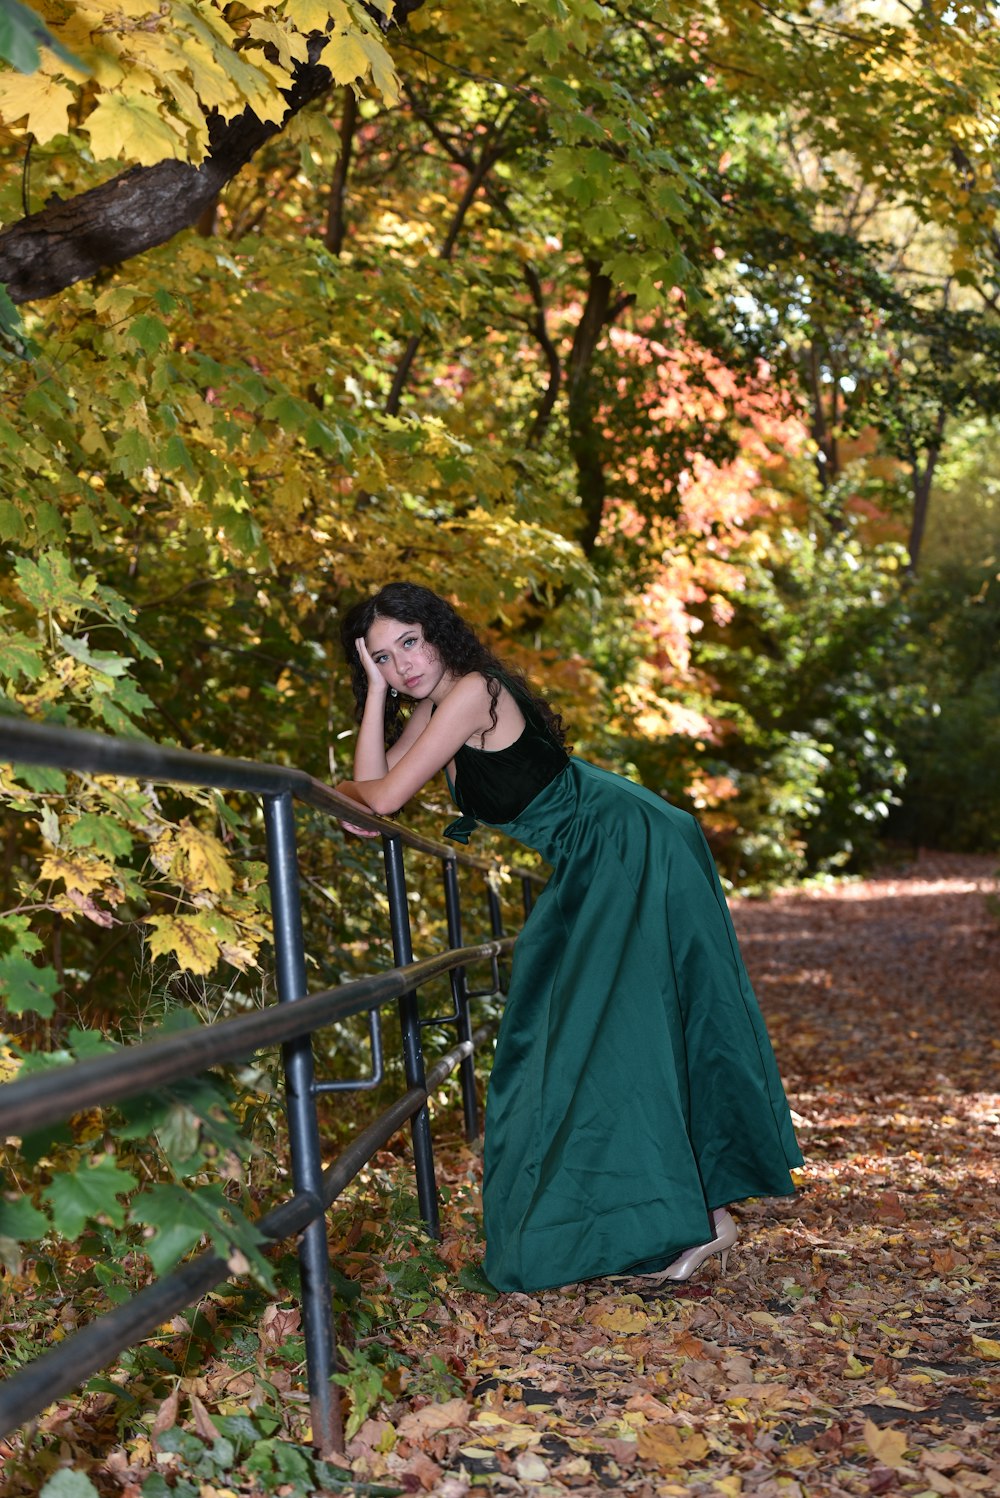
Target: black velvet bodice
(495,785)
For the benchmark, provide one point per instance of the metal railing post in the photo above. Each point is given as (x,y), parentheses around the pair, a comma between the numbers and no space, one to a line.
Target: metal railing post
(409,1020)
(303,1125)
(460,988)
(496,925)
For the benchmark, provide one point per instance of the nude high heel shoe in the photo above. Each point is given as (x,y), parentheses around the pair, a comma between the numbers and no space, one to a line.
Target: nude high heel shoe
(684,1266)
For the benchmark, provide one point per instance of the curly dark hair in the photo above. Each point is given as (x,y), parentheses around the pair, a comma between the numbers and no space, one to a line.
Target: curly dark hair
(456,642)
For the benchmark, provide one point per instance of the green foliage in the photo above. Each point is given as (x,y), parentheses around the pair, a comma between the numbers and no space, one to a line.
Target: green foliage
(274,1465)
(810,705)
(21,35)
(68,1484)
(952,794)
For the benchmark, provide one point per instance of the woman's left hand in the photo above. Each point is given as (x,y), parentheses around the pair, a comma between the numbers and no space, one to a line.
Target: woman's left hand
(346,788)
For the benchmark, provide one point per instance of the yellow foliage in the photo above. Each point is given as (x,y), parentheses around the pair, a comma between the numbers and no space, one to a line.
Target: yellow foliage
(188,938)
(624,1319)
(44,101)
(886,1446)
(290,47)
(668,1446)
(131,125)
(314,15)
(78,871)
(199,861)
(153,73)
(346,57)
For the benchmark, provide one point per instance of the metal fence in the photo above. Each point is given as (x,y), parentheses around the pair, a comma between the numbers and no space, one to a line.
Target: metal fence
(53,1096)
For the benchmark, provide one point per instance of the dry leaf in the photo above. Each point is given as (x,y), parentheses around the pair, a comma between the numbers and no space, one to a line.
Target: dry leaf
(886,1446)
(418,1424)
(669,1447)
(166,1416)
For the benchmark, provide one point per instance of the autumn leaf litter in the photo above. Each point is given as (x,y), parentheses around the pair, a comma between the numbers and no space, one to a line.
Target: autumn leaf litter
(853,1348)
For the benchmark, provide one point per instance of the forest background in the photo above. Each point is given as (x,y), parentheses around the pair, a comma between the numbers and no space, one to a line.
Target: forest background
(662,337)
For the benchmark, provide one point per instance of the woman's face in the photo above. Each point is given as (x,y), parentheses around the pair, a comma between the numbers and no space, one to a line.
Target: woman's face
(408,662)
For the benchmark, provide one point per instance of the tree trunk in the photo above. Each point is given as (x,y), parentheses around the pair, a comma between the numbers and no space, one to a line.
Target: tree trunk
(585,441)
(336,224)
(923,480)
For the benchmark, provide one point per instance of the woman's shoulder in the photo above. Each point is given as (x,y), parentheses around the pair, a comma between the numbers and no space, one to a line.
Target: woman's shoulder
(471,697)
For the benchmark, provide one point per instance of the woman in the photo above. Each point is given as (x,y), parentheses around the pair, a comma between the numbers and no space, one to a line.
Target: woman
(634,1091)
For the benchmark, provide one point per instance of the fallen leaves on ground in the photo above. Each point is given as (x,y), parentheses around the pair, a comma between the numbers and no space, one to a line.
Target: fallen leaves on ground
(853,1348)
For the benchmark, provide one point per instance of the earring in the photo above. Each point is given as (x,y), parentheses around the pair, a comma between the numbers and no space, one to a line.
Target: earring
(393,692)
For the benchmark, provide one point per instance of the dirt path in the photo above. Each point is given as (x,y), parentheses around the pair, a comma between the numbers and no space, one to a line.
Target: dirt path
(854,1347)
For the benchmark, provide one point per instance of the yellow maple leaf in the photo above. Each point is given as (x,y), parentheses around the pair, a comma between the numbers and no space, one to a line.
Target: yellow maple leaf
(43,103)
(384,74)
(346,58)
(186,937)
(78,871)
(189,56)
(313,15)
(200,861)
(86,33)
(132,126)
(987,1348)
(289,45)
(886,1446)
(246,83)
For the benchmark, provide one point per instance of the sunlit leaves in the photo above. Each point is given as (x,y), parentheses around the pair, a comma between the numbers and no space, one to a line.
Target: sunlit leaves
(160,70)
(43,100)
(133,126)
(187,938)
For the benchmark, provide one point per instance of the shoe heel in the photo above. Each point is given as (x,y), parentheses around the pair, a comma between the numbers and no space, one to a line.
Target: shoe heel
(724,1260)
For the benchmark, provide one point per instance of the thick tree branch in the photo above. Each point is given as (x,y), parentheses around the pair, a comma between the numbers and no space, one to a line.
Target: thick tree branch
(584,435)
(68,241)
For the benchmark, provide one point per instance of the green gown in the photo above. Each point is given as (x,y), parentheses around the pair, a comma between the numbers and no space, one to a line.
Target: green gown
(634,1086)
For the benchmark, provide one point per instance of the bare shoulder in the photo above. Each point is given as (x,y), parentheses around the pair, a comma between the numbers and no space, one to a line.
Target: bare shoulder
(489,726)
(470,694)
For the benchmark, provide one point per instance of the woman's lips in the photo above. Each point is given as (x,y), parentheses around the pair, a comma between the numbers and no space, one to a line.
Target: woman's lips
(411,682)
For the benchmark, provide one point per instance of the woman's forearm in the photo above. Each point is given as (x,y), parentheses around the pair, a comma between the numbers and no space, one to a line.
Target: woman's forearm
(369,752)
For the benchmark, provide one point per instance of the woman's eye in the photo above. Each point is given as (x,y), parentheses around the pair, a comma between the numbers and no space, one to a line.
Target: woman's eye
(411,641)
(379,660)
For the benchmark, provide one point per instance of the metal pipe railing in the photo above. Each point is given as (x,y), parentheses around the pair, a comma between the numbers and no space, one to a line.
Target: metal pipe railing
(50,1097)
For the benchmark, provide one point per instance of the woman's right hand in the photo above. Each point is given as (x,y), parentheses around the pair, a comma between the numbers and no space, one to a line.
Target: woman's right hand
(376,681)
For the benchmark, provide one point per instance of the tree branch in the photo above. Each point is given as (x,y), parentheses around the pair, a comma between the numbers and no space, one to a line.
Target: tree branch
(335,220)
(489,156)
(69,241)
(539,327)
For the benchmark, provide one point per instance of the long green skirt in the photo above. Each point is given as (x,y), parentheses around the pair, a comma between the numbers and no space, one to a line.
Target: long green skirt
(634,1086)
